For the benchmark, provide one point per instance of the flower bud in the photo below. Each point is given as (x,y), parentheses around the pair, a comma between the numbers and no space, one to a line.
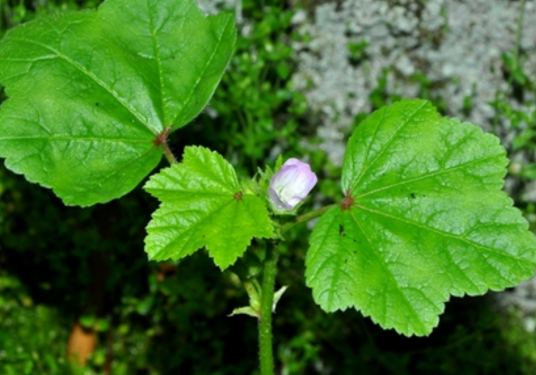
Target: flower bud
(291,184)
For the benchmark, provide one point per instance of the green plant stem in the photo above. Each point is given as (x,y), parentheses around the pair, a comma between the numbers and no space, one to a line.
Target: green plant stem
(266,354)
(169,155)
(305,217)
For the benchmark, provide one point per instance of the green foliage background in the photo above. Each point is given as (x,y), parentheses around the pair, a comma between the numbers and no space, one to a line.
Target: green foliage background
(62,264)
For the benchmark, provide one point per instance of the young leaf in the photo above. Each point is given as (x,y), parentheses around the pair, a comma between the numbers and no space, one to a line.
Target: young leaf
(92,93)
(423,218)
(203,205)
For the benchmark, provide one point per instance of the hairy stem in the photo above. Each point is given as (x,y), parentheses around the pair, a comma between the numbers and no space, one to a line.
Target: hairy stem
(305,218)
(266,354)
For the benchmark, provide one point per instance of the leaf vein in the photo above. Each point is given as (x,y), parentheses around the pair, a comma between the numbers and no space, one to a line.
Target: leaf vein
(427,175)
(92,76)
(156,52)
(207,64)
(75,139)
(402,126)
(190,228)
(388,272)
(439,232)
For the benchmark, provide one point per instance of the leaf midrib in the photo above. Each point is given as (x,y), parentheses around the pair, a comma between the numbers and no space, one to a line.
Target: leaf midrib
(331,303)
(75,139)
(93,77)
(394,281)
(439,232)
(188,230)
(386,146)
(156,52)
(426,175)
(121,168)
(208,63)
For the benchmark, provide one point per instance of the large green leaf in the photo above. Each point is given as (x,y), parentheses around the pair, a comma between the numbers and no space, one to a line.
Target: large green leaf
(90,92)
(203,205)
(423,218)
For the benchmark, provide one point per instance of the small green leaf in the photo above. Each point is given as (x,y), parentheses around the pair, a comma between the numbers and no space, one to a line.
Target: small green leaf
(203,205)
(87,321)
(246,310)
(92,93)
(102,325)
(278,295)
(423,218)
(144,306)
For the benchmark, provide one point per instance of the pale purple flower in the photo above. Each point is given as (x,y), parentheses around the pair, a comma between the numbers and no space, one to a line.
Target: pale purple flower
(291,184)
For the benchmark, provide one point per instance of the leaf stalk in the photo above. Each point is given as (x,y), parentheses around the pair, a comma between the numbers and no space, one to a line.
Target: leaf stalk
(305,218)
(169,155)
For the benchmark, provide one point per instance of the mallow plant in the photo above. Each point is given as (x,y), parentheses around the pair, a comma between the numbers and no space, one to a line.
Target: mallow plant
(94,95)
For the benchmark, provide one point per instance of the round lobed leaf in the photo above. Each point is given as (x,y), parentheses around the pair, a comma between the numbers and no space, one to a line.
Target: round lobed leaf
(91,93)
(203,205)
(423,218)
